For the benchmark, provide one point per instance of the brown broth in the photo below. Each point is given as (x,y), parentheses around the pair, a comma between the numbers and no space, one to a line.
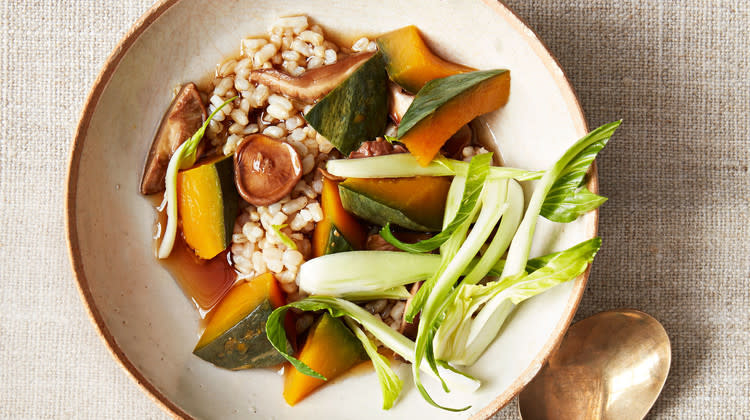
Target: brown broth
(205,282)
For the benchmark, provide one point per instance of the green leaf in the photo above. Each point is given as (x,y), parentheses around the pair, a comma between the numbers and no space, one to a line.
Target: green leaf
(438,92)
(569,198)
(390,383)
(567,168)
(277,336)
(356,110)
(390,139)
(565,207)
(284,239)
(559,268)
(479,167)
(189,154)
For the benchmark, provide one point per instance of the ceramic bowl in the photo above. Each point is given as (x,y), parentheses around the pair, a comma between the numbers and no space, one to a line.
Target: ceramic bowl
(144,318)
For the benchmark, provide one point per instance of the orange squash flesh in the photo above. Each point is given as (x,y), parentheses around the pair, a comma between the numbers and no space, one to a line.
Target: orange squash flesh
(335,215)
(238,303)
(330,349)
(410,62)
(420,198)
(426,138)
(207,206)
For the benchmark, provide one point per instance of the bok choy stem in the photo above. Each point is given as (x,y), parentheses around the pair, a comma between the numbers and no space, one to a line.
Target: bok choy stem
(457,209)
(183,158)
(493,201)
(511,217)
(478,325)
(405,165)
(366,275)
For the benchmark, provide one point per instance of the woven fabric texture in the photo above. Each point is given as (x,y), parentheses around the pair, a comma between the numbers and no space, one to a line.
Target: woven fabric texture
(675,228)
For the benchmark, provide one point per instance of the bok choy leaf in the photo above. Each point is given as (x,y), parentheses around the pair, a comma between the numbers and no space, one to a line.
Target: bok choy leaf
(569,170)
(390,383)
(569,198)
(518,253)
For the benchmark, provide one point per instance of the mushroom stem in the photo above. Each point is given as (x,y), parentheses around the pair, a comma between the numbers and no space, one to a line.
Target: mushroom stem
(398,102)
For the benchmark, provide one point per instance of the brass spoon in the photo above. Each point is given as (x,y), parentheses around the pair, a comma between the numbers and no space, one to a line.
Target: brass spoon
(609,366)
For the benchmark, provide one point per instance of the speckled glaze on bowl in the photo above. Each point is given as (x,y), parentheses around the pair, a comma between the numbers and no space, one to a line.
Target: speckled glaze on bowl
(144,318)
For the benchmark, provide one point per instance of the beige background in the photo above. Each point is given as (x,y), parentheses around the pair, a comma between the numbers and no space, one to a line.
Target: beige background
(676,235)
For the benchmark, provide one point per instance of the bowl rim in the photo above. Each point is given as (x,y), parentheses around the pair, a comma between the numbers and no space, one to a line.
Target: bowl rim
(121,49)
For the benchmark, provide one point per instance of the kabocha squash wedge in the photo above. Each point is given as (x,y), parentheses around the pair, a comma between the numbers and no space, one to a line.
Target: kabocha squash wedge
(339,231)
(330,349)
(410,62)
(357,110)
(207,204)
(416,203)
(445,105)
(235,336)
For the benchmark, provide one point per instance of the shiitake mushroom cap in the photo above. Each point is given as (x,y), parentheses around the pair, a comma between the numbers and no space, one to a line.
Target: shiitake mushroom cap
(265,170)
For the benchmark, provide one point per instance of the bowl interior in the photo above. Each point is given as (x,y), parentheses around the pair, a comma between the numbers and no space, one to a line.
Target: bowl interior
(143,315)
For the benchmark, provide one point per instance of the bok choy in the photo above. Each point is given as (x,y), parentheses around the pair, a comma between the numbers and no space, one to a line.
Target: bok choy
(479,168)
(183,158)
(400,344)
(437,308)
(459,315)
(402,165)
(368,275)
(467,331)
(390,383)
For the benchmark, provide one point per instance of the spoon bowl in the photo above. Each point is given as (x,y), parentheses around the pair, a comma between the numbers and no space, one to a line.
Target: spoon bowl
(612,365)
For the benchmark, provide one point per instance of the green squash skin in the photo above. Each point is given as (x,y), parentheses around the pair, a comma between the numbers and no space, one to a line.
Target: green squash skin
(376,212)
(337,242)
(355,111)
(229,195)
(244,345)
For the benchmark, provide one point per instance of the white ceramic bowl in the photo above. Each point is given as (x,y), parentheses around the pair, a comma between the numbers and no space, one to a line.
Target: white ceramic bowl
(144,318)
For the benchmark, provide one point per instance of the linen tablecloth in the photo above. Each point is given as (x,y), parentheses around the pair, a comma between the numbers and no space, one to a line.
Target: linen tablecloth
(675,228)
